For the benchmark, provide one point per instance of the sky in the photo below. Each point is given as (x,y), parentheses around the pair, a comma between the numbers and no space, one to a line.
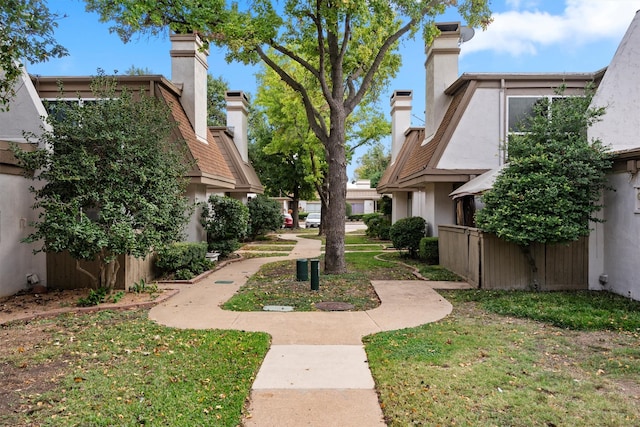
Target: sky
(525,36)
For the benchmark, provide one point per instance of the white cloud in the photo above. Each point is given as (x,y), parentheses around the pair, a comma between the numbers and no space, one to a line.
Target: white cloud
(523,32)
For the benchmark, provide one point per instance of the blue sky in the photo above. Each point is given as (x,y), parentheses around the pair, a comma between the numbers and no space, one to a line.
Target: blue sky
(525,36)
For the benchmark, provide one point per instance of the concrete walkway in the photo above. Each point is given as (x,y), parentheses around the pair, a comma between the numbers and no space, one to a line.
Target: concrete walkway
(316,371)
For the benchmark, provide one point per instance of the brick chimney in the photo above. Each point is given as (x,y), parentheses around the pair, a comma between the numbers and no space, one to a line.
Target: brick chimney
(189,71)
(400,119)
(442,70)
(237,120)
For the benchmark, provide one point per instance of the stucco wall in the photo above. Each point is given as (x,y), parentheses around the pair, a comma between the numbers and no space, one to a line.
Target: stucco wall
(17,258)
(475,144)
(196,193)
(614,246)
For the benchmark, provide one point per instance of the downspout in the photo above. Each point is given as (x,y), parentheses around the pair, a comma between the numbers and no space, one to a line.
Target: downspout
(502,157)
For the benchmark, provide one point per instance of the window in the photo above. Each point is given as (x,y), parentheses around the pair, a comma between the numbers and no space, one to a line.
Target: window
(520,109)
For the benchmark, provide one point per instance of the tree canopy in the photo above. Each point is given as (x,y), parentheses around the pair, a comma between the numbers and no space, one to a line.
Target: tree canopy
(347,50)
(217,88)
(26,33)
(111,182)
(372,164)
(550,189)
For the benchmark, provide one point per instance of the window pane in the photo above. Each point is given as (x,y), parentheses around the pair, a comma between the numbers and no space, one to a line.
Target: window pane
(520,108)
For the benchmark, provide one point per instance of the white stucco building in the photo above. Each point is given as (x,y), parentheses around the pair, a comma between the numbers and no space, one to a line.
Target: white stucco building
(17,260)
(614,249)
(467,124)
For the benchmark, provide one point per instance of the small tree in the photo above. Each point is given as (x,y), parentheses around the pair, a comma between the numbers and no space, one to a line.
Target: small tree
(113,184)
(264,216)
(406,233)
(551,187)
(226,221)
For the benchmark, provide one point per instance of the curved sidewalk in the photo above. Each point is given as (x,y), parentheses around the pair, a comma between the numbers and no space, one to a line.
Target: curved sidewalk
(315,373)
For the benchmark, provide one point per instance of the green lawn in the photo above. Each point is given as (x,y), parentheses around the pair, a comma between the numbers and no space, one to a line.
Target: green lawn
(480,368)
(119,368)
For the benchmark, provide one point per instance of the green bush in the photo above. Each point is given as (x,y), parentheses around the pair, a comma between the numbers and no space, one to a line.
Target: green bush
(303,215)
(348,210)
(429,250)
(226,221)
(378,225)
(264,216)
(188,258)
(406,234)
(356,217)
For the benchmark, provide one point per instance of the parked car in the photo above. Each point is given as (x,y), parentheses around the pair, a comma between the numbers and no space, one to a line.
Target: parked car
(287,221)
(313,220)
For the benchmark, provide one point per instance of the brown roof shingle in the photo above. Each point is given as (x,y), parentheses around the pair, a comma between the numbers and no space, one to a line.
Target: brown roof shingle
(247,180)
(210,163)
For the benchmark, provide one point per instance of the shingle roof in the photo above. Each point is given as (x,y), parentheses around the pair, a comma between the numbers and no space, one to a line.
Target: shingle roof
(422,155)
(247,180)
(210,164)
(389,179)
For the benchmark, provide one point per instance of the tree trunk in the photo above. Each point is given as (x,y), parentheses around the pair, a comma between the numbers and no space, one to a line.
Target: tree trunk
(295,201)
(526,250)
(334,262)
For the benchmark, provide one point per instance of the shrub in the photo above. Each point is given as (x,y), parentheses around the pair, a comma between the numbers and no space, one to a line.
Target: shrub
(348,210)
(183,259)
(378,226)
(429,250)
(226,221)
(264,216)
(406,234)
(303,215)
(356,217)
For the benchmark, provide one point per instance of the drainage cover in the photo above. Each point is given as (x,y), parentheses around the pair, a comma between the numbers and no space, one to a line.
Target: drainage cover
(223,282)
(277,308)
(334,306)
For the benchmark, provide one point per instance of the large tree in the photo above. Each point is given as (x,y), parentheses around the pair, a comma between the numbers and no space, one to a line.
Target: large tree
(217,88)
(550,189)
(26,33)
(372,164)
(341,46)
(112,183)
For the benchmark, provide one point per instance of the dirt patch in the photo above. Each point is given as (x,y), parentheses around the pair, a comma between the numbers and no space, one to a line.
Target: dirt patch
(29,305)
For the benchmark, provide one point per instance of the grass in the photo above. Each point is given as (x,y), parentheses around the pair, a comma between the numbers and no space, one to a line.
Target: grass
(276,284)
(120,368)
(435,273)
(583,310)
(479,368)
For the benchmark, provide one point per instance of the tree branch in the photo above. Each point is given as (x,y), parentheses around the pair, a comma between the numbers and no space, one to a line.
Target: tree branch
(315,118)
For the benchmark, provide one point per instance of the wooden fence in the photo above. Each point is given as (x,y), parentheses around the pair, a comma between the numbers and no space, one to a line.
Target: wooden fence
(62,272)
(491,263)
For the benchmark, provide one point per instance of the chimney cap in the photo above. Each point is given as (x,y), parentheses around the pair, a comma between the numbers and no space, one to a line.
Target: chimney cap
(397,93)
(230,94)
(448,27)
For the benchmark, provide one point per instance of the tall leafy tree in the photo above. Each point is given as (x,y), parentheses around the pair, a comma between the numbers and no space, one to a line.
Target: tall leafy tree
(283,173)
(550,190)
(217,88)
(26,33)
(112,183)
(372,164)
(347,49)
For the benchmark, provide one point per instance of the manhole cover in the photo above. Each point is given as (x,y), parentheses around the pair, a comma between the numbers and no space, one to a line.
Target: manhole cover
(223,282)
(277,308)
(334,306)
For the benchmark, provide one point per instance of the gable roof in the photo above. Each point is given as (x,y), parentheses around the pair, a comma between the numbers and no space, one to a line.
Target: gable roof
(417,161)
(389,180)
(246,178)
(210,166)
